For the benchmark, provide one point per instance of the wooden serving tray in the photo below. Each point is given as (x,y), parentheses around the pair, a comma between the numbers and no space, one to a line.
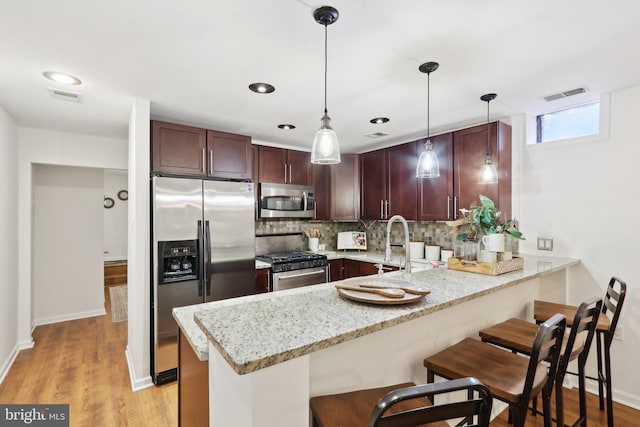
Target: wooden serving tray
(490,269)
(378,299)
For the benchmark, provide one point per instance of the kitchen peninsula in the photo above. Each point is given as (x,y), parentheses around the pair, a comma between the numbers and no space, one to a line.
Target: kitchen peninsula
(269,353)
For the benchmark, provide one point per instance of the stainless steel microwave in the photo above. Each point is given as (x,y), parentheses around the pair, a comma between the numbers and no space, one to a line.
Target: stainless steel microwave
(286,201)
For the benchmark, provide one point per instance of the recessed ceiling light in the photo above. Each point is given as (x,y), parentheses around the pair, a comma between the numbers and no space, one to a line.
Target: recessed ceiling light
(261,87)
(379,120)
(65,79)
(286,126)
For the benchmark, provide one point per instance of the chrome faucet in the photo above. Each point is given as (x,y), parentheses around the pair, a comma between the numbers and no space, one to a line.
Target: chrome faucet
(407,255)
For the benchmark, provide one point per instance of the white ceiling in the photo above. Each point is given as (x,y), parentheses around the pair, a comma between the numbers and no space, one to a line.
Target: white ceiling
(194,60)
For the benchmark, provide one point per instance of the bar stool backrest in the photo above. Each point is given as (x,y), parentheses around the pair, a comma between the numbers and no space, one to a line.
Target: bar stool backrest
(478,406)
(585,320)
(546,346)
(613,301)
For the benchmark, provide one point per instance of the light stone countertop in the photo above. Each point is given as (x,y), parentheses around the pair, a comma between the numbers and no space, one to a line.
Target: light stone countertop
(184,316)
(262,330)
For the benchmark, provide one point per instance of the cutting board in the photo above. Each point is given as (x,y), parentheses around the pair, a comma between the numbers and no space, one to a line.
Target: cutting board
(375,298)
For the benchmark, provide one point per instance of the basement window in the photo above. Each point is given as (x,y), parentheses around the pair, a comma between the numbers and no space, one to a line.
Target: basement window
(583,120)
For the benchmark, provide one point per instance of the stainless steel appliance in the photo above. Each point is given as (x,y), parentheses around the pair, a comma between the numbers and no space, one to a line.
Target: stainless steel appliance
(295,269)
(290,266)
(203,250)
(286,201)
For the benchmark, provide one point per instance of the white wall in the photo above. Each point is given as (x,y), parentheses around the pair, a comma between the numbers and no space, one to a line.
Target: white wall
(9,345)
(585,196)
(45,147)
(68,279)
(115,219)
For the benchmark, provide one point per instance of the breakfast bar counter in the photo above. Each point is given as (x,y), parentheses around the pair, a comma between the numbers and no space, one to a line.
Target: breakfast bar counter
(269,353)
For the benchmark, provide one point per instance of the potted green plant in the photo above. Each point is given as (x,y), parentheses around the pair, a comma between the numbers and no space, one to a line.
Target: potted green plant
(481,220)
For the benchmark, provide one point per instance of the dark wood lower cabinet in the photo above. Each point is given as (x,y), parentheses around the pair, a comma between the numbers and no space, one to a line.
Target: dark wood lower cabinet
(336,270)
(262,280)
(354,268)
(193,386)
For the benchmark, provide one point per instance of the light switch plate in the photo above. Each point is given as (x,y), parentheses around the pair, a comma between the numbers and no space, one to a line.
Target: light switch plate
(545,243)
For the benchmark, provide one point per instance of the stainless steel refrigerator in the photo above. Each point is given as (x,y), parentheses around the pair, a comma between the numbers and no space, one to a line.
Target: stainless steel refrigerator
(203,250)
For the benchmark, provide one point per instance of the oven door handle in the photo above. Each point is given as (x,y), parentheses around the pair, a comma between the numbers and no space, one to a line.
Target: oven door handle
(309,273)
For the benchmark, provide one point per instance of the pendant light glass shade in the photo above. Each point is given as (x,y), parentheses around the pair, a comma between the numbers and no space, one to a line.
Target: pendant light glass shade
(325,149)
(488,172)
(428,166)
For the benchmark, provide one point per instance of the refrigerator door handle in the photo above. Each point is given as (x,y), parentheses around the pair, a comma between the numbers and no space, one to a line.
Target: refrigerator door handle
(207,252)
(201,277)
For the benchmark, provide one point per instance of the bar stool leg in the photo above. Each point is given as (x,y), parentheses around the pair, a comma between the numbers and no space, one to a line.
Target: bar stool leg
(607,380)
(582,421)
(600,377)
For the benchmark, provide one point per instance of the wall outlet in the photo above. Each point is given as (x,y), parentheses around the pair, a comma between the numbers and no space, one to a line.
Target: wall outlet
(411,236)
(619,335)
(545,243)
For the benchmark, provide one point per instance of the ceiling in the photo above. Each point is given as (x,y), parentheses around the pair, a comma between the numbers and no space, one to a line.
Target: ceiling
(194,60)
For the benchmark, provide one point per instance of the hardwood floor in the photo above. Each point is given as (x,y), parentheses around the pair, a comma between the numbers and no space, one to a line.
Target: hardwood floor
(624,416)
(82,363)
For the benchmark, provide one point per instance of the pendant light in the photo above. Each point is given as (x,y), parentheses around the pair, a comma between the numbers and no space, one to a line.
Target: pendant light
(326,149)
(488,173)
(428,166)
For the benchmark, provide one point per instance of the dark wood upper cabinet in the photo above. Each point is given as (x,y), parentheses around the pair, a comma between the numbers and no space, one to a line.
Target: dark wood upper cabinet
(321,175)
(388,183)
(403,184)
(272,164)
(345,189)
(470,148)
(186,150)
(229,155)
(337,189)
(278,165)
(178,149)
(299,164)
(373,185)
(435,195)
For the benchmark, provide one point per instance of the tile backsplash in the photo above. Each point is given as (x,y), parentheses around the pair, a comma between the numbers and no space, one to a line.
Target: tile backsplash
(437,233)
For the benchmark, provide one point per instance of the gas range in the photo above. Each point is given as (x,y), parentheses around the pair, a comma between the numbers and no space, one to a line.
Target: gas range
(293,260)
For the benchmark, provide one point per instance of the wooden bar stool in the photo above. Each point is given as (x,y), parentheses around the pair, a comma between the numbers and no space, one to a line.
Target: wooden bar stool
(402,405)
(605,330)
(511,378)
(518,335)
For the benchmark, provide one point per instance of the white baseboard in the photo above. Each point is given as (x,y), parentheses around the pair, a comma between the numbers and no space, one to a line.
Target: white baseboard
(9,362)
(67,317)
(621,397)
(140,383)
(6,366)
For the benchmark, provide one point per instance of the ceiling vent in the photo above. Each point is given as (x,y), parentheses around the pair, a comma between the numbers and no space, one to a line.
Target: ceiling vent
(565,94)
(65,95)
(377,135)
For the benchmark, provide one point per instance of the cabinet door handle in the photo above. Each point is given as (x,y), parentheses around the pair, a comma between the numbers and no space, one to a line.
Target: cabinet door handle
(381,209)
(386,214)
(455,207)
(204,161)
(211,162)
(448,207)
(285,173)
(290,174)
